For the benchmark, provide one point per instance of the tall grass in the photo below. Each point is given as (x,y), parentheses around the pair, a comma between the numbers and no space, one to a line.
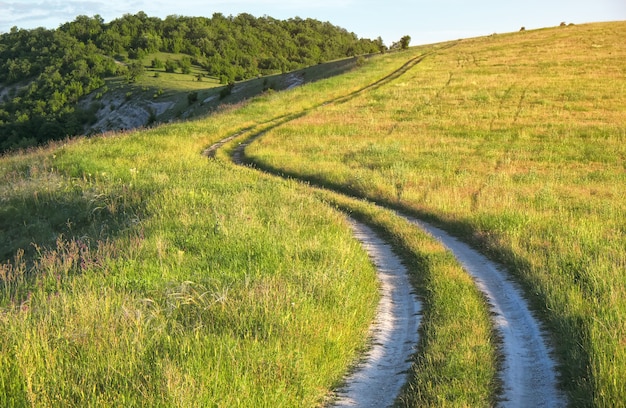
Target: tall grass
(158,277)
(515,142)
(456,363)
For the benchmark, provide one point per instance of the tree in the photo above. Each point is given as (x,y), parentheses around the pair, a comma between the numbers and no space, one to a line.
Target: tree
(404,42)
(185,65)
(60,66)
(380,44)
(135,69)
(157,63)
(170,66)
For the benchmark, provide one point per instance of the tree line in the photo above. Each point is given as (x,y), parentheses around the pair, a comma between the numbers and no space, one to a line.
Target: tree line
(43,73)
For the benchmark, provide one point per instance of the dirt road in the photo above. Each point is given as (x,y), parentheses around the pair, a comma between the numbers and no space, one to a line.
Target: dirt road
(377,380)
(528,371)
(528,375)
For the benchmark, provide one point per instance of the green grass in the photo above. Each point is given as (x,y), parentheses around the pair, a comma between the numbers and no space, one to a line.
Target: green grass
(137,272)
(457,359)
(515,142)
(177,280)
(171,279)
(173,89)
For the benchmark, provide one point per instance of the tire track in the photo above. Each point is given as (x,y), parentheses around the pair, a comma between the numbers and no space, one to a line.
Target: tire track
(528,371)
(378,379)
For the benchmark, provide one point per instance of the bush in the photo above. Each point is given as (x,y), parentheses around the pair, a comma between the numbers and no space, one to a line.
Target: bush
(185,65)
(170,66)
(157,63)
(192,97)
(227,90)
(405,41)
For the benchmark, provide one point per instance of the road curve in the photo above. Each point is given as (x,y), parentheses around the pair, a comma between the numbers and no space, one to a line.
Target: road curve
(528,373)
(379,377)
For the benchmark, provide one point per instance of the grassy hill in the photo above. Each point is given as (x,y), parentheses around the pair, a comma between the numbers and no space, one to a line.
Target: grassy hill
(138,272)
(44,74)
(516,143)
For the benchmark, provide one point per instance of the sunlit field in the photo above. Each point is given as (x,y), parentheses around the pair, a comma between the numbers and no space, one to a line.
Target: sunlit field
(137,272)
(515,142)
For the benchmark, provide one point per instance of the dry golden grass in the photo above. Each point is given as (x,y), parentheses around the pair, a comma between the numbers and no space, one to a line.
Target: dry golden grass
(518,142)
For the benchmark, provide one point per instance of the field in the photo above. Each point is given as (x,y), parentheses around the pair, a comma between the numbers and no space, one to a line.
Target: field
(138,272)
(155,272)
(516,143)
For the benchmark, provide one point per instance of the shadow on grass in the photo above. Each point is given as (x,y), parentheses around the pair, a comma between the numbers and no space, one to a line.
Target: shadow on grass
(34,221)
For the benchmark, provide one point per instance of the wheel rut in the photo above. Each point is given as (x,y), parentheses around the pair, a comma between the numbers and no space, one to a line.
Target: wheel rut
(528,373)
(379,377)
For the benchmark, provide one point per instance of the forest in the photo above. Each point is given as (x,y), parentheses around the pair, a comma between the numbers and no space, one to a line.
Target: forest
(44,73)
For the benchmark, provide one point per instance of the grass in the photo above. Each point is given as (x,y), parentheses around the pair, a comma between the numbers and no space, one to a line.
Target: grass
(137,272)
(516,143)
(163,97)
(457,361)
(175,280)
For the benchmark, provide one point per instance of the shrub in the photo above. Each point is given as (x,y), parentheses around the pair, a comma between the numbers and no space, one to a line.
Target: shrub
(227,90)
(170,66)
(192,97)
(157,63)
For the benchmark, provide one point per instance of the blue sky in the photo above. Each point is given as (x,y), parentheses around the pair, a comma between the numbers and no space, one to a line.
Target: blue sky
(426,21)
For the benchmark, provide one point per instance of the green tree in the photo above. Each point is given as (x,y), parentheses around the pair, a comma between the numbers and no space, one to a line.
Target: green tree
(157,63)
(185,65)
(135,69)
(60,66)
(170,66)
(404,42)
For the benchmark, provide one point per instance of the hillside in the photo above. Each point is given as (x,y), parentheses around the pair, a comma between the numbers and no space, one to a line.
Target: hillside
(514,142)
(44,74)
(136,271)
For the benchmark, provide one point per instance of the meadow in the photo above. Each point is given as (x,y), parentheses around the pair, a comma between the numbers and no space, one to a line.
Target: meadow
(136,271)
(514,142)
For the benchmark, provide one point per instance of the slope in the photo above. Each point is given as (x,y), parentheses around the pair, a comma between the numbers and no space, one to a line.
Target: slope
(515,143)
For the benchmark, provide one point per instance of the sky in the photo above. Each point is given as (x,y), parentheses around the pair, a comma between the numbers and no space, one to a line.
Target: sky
(426,21)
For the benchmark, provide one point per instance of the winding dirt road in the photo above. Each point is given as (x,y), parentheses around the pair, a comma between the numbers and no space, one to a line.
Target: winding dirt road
(528,375)
(378,379)
(528,371)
